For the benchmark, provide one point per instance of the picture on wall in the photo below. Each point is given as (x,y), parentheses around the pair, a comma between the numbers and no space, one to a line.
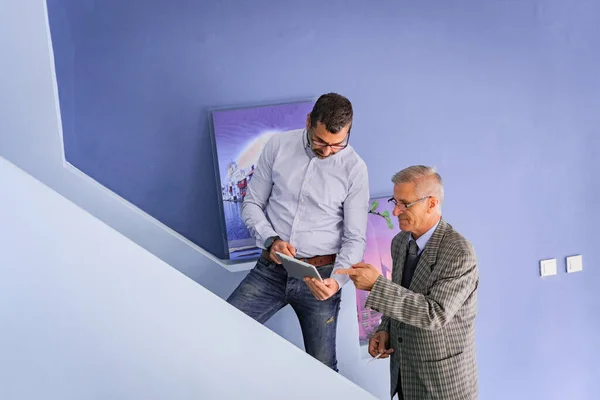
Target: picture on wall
(381,229)
(239,137)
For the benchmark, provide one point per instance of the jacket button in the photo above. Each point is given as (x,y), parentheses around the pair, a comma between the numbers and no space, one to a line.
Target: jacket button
(399,340)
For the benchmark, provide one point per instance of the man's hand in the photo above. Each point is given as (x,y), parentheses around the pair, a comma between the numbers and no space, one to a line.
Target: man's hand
(363,275)
(379,343)
(283,248)
(322,290)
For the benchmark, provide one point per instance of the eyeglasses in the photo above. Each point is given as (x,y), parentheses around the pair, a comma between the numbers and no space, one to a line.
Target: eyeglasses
(321,144)
(404,206)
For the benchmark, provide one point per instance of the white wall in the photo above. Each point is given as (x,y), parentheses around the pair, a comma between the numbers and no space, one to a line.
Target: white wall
(88,314)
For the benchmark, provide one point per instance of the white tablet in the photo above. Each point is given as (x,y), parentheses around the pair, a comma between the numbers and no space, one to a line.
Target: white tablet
(298,269)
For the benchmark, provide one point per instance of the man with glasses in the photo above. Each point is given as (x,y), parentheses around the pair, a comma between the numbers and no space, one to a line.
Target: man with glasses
(429,306)
(309,199)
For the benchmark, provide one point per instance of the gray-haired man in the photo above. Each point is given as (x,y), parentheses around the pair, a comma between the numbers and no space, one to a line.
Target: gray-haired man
(429,306)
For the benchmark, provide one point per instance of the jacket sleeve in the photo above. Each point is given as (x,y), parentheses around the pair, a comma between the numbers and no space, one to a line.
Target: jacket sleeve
(458,279)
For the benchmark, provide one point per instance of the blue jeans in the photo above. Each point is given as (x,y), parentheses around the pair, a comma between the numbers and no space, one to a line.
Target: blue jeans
(267,289)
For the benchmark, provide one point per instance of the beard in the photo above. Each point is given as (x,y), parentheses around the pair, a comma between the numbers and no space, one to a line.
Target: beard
(320,153)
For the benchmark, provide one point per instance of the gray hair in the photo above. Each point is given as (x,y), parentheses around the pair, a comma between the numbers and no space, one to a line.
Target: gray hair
(428,181)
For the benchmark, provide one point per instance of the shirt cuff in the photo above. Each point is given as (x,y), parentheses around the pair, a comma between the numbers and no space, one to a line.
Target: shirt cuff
(341,279)
(264,231)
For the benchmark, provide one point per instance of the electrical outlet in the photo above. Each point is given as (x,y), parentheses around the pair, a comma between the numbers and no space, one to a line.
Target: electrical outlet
(574,264)
(548,267)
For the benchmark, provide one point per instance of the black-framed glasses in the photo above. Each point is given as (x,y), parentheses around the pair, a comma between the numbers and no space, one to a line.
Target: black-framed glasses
(404,206)
(317,142)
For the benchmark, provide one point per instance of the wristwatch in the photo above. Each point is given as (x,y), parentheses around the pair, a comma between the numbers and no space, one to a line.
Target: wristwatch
(269,242)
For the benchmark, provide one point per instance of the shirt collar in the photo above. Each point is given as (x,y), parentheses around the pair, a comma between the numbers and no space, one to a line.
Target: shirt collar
(309,151)
(422,241)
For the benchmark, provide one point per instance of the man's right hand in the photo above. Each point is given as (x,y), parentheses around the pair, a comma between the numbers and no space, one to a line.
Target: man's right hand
(380,343)
(283,248)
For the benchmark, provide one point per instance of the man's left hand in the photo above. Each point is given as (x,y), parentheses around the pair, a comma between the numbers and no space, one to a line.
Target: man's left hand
(322,290)
(363,275)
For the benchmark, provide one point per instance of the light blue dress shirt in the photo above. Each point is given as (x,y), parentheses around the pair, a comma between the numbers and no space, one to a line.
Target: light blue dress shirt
(422,241)
(318,205)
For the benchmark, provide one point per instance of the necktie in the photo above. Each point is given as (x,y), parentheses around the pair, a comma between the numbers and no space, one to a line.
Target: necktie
(412,259)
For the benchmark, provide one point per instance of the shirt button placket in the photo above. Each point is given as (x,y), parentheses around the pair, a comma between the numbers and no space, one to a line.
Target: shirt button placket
(301,204)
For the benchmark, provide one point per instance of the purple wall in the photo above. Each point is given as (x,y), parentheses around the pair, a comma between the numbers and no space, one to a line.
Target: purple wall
(503,96)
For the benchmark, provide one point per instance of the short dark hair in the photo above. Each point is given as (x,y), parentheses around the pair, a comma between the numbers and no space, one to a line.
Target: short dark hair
(332,110)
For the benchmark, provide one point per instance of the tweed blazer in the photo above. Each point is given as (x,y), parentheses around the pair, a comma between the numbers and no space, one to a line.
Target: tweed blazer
(432,323)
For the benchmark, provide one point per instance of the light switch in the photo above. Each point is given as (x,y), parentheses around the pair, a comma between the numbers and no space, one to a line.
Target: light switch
(574,263)
(548,267)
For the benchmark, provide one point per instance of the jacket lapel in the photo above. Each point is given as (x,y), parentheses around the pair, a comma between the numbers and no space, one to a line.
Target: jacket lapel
(400,257)
(428,256)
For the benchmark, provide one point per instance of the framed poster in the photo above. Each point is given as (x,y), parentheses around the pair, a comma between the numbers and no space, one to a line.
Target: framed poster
(239,135)
(381,229)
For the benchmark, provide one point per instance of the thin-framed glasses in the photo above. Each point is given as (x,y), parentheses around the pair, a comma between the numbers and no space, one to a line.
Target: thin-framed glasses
(321,144)
(403,206)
